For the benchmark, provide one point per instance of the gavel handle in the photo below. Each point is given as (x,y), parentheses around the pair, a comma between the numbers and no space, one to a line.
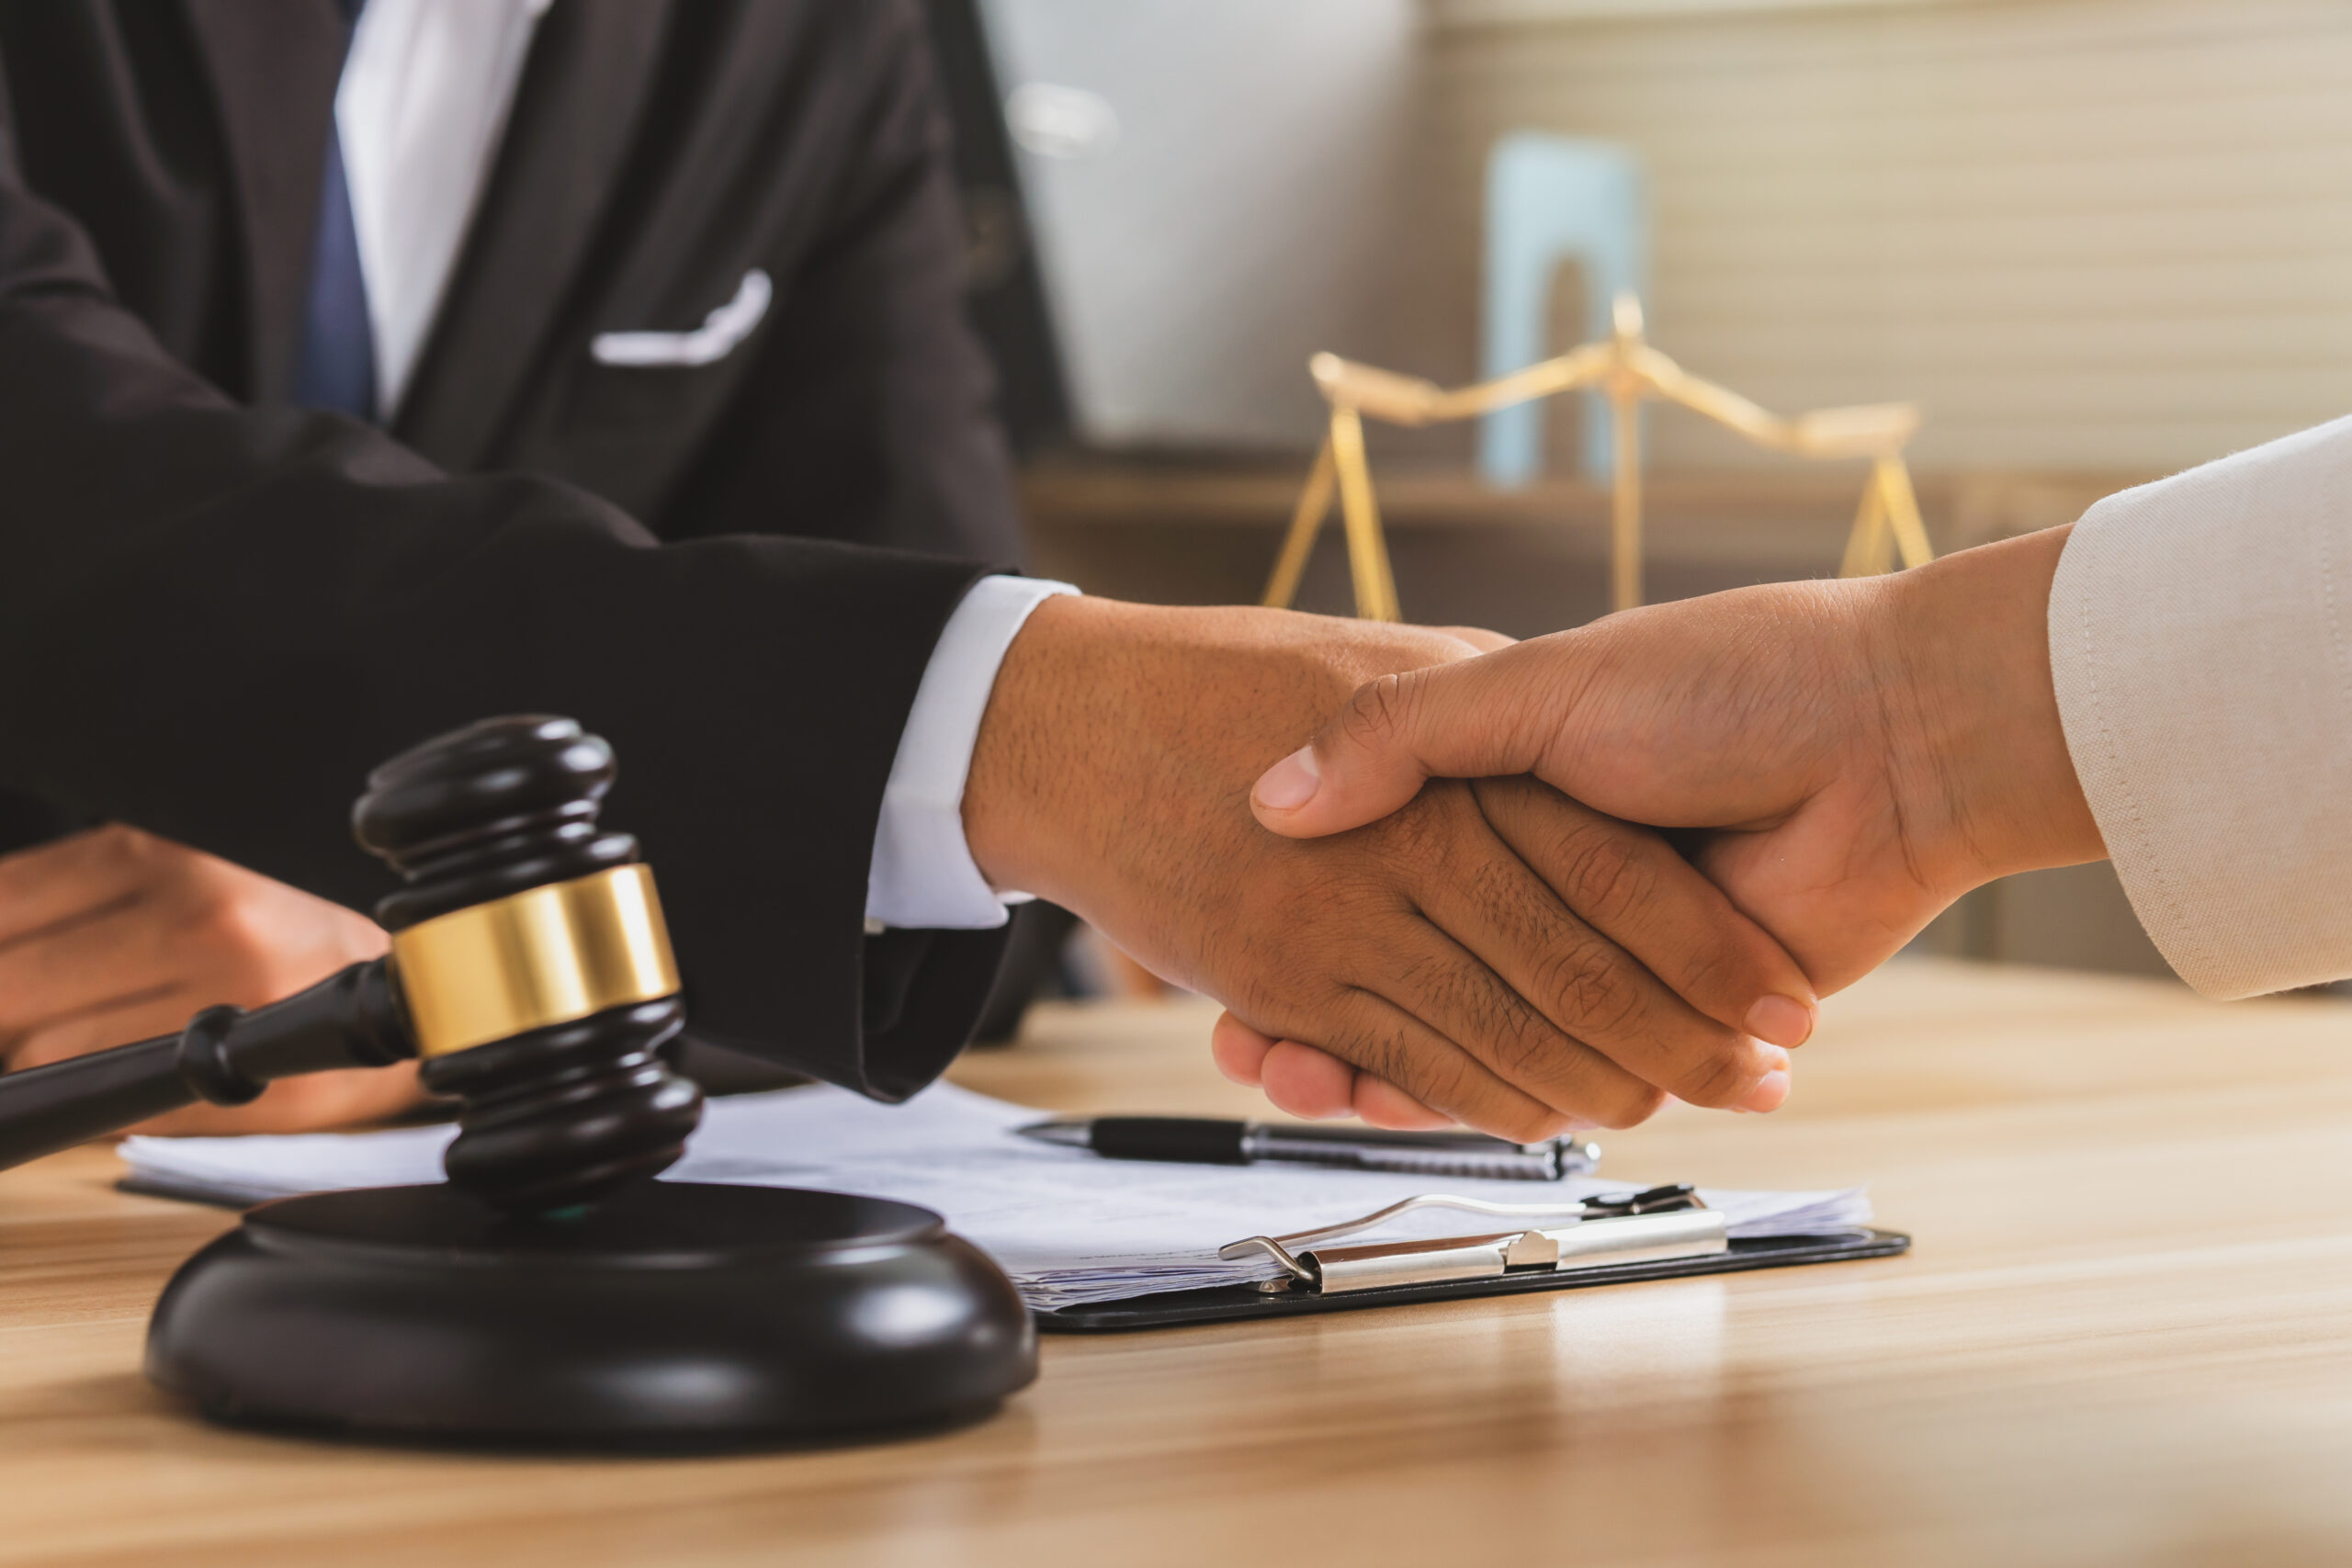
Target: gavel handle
(226,1055)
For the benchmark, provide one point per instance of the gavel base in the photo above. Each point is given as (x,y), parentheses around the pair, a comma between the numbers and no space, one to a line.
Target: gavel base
(678,1316)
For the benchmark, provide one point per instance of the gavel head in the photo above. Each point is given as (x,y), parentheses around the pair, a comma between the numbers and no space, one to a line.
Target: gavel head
(532,962)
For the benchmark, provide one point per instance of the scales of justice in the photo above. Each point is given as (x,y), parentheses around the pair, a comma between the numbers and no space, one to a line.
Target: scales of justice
(1628,372)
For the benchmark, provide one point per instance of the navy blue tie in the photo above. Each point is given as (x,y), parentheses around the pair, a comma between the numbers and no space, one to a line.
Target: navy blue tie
(337,370)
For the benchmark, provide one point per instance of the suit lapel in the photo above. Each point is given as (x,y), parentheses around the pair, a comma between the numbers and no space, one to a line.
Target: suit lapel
(274,69)
(568,139)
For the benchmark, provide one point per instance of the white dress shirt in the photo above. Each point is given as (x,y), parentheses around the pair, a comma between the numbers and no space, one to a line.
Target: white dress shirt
(922,872)
(420,112)
(2200,640)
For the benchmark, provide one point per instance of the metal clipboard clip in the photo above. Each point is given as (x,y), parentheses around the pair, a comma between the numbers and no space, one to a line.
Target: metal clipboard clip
(1664,1221)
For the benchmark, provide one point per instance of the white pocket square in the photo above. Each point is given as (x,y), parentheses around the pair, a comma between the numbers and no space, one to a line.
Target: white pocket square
(713,341)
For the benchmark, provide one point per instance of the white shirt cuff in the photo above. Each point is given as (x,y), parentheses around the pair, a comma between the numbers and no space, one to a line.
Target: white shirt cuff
(922,873)
(2199,648)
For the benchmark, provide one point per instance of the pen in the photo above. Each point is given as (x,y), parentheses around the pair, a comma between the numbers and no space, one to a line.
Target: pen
(1198,1140)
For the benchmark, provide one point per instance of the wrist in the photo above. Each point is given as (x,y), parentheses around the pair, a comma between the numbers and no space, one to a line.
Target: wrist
(1120,741)
(1977,746)
(1100,710)
(1017,777)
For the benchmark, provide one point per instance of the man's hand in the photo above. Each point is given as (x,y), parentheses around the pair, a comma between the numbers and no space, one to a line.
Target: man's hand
(1860,753)
(115,935)
(1516,960)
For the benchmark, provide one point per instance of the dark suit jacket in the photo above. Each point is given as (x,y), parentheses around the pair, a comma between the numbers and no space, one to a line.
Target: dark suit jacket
(218,612)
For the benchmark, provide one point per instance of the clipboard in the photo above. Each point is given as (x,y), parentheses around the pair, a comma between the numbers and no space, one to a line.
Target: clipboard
(1665,1233)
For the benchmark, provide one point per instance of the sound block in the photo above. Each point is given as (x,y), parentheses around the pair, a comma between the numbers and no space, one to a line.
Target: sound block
(675,1316)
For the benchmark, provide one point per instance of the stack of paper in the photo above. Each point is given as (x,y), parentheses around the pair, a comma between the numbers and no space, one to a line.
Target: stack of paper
(1067,1227)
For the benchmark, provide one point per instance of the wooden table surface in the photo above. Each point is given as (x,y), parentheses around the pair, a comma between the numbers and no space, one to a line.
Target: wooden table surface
(2124,1336)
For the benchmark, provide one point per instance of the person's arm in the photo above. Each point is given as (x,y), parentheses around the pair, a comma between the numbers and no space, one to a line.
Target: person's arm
(263,604)
(217,619)
(2169,682)
(214,620)
(111,935)
(2200,637)
(866,418)
(1846,758)
(1518,961)
(1565,981)
(1858,753)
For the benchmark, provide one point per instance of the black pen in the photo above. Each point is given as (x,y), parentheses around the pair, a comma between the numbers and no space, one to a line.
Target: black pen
(1199,1140)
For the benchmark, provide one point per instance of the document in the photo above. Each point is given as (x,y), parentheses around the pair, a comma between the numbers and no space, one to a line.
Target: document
(1069,1227)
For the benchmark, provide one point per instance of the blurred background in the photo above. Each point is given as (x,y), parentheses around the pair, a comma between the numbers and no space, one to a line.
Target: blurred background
(2096,242)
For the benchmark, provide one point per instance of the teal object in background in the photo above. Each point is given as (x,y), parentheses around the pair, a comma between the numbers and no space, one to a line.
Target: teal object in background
(1552,199)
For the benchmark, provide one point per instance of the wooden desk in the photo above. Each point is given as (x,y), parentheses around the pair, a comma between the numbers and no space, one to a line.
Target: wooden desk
(2125,1337)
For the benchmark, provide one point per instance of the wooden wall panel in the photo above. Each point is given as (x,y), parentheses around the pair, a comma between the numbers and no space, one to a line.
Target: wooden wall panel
(2085,234)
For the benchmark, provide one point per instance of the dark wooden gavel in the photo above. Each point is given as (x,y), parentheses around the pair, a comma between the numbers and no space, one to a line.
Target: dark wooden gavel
(550,1291)
(530,969)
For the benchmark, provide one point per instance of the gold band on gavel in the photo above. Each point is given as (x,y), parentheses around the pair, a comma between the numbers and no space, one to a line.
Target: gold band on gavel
(546,956)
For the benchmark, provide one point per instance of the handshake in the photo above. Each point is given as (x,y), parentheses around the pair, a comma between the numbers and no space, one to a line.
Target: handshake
(1538,886)
(1526,888)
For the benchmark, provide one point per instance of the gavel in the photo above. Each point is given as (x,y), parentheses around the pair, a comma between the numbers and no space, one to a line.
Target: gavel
(551,1293)
(530,969)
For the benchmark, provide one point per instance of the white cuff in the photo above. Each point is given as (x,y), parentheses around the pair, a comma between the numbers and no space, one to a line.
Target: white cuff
(922,874)
(2202,652)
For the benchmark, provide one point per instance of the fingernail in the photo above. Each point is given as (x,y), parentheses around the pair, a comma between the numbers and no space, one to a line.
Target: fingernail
(1784,1020)
(1770,1091)
(1289,784)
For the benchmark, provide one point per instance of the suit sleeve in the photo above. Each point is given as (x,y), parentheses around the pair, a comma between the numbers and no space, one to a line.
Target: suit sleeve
(215,619)
(2201,642)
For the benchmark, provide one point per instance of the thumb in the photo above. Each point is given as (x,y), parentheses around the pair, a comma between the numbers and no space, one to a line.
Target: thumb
(1482,717)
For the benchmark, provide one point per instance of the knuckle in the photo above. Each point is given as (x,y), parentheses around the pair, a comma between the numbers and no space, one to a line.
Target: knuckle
(1525,1123)
(1438,1079)
(1527,1048)
(1295,918)
(1631,1105)
(1590,991)
(230,927)
(1605,874)
(198,911)
(1719,1076)
(139,855)
(1417,839)
(1385,1054)
(1378,711)
(1708,972)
